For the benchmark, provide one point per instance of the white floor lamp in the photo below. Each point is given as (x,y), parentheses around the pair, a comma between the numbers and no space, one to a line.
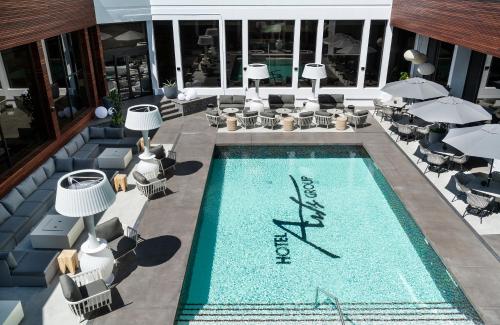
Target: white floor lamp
(145,117)
(315,72)
(84,193)
(257,72)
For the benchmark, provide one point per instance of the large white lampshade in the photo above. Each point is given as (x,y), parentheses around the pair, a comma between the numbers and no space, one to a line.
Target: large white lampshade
(314,71)
(414,56)
(257,71)
(84,193)
(426,69)
(143,117)
(214,31)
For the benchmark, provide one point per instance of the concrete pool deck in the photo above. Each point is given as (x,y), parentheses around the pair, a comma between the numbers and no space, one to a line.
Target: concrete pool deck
(150,292)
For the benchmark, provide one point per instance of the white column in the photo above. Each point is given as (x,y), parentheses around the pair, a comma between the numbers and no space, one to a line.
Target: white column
(222,55)
(178,55)
(458,70)
(244,53)
(4,81)
(421,44)
(152,58)
(319,49)
(386,55)
(296,53)
(365,38)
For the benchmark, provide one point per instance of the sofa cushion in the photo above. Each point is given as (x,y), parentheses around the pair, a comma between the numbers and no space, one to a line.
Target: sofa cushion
(106,142)
(61,153)
(250,113)
(93,288)
(71,147)
(225,99)
(4,214)
(83,155)
(89,147)
(323,113)
(9,258)
(84,163)
(7,241)
(140,178)
(306,114)
(85,135)
(39,176)
(12,200)
(64,164)
(42,195)
(30,209)
(109,230)
(14,225)
(239,99)
(26,187)
(49,167)
(69,288)
(50,184)
(96,132)
(114,133)
(268,114)
(78,139)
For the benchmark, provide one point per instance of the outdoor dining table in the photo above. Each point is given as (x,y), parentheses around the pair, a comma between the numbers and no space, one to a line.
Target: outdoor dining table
(440,149)
(492,190)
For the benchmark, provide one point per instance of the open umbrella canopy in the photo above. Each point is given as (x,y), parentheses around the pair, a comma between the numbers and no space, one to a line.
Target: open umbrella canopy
(449,110)
(415,88)
(478,141)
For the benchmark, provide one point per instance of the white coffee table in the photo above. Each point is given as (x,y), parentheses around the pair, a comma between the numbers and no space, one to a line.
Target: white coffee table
(56,231)
(230,110)
(283,111)
(118,158)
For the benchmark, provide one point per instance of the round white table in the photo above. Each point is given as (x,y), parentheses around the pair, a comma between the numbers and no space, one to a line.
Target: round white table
(283,111)
(335,111)
(230,110)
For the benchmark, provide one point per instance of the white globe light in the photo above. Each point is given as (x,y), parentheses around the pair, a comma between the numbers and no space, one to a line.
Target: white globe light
(191,93)
(415,56)
(426,69)
(101,112)
(181,96)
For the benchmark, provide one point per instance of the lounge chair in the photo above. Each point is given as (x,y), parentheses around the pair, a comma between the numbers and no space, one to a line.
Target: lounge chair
(215,118)
(248,119)
(358,118)
(268,119)
(165,161)
(85,292)
(281,101)
(479,203)
(149,187)
(323,118)
(436,161)
(119,242)
(305,119)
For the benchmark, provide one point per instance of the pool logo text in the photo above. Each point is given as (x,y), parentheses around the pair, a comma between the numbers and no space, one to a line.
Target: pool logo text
(298,229)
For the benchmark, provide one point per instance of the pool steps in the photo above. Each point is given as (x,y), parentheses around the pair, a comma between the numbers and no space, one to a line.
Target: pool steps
(325,313)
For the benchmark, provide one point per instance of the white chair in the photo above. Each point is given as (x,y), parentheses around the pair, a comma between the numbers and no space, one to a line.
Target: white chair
(323,119)
(304,119)
(85,292)
(479,203)
(149,187)
(215,119)
(247,121)
(357,119)
(268,119)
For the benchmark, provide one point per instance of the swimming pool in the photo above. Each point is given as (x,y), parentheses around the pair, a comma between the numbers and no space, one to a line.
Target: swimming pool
(279,222)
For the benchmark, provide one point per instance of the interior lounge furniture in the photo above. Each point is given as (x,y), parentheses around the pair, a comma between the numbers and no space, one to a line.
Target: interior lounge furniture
(166,161)
(435,161)
(11,312)
(232,101)
(248,119)
(480,204)
(281,101)
(56,231)
(85,292)
(305,119)
(119,240)
(214,118)
(358,118)
(331,101)
(323,118)
(268,119)
(27,268)
(149,187)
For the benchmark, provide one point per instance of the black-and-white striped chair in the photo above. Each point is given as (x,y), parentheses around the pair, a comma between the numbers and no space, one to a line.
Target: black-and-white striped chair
(214,117)
(268,119)
(248,119)
(304,119)
(460,185)
(480,204)
(435,161)
(322,118)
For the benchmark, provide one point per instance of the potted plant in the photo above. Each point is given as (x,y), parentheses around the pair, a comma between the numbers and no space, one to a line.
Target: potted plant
(404,75)
(437,133)
(170,89)
(117,119)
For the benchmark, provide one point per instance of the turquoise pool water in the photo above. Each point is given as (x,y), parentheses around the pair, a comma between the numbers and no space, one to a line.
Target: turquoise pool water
(278,222)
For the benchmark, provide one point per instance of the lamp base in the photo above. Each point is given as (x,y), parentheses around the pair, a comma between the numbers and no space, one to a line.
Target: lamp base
(148,167)
(99,257)
(256,105)
(312,105)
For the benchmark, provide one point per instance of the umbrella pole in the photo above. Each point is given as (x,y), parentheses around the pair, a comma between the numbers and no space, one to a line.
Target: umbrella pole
(491,172)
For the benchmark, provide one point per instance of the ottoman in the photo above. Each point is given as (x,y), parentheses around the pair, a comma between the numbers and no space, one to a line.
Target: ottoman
(115,158)
(341,123)
(288,123)
(231,123)
(11,312)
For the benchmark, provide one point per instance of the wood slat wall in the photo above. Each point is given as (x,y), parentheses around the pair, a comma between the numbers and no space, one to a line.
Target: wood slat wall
(26,21)
(474,24)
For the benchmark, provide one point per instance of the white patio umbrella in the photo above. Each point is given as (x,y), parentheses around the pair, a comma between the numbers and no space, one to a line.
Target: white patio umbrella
(478,141)
(415,88)
(130,35)
(449,110)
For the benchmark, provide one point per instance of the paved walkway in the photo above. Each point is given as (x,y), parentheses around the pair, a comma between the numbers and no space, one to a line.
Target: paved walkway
(150,289)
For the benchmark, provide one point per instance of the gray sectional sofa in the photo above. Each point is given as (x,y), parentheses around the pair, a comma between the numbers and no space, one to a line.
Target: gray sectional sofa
(24,206)
(231,101)
(281,101)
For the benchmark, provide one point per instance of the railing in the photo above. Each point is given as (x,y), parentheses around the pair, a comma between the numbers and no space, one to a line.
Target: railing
(335,301)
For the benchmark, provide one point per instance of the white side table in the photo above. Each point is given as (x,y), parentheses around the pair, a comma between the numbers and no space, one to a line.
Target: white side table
(11,312)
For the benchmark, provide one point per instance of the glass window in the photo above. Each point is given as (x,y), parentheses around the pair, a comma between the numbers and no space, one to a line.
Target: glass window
(126,58)
(374,54)
(308,32)
(402,40)
(271,42)
(165,54)
(23,127)
(234,63)
(494,74)
(443,63)
(200,53)
(341,50)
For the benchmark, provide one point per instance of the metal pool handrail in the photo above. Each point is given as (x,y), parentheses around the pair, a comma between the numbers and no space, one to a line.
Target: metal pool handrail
(335,300)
